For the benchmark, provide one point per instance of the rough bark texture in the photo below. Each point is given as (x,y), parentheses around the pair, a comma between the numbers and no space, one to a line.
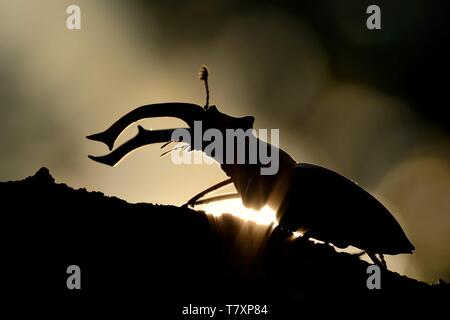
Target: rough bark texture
(158,258)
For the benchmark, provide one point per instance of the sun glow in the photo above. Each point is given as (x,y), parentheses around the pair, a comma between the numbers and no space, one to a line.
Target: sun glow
(265,216)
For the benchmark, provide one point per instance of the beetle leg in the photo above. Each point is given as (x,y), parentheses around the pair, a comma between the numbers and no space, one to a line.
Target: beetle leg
(221,197)
(381,263)
(217,186)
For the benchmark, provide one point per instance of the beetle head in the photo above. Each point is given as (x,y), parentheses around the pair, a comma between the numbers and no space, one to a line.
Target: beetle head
(213,118)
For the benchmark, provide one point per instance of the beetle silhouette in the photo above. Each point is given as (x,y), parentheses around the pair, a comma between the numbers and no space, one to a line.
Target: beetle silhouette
(319,202)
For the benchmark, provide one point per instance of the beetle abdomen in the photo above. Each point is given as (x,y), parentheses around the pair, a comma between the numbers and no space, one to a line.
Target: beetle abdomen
(336,210)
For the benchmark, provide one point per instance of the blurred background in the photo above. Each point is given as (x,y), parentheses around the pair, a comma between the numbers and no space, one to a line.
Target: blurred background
(371,105)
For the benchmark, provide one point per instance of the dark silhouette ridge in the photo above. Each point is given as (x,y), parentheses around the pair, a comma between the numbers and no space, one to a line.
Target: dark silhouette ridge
(157,258)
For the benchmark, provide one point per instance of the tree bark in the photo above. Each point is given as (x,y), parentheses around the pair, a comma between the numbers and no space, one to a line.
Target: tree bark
(159,258)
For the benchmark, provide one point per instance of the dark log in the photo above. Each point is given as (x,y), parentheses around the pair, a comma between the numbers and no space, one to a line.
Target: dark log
(159,258)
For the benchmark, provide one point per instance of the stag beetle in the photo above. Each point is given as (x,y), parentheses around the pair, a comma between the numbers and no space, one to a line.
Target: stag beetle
(319,202)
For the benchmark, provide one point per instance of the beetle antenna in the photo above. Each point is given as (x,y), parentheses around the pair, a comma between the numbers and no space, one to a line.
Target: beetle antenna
(203,76)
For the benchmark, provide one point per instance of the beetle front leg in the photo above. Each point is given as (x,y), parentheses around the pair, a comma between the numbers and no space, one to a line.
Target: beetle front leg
(193,201)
